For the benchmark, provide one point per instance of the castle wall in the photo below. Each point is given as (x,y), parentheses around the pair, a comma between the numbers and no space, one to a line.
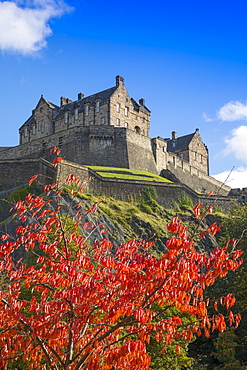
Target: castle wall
(124,114)
(194,178)
(18,172)
(92,145)
(140,152)
(198,154)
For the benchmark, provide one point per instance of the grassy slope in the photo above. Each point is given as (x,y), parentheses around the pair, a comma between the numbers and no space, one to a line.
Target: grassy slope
(127,174)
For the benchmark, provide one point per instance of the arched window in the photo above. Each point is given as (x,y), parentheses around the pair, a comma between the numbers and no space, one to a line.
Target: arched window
(137,129)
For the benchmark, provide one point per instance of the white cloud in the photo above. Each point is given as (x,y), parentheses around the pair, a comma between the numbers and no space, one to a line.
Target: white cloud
(233,111)
(24,24)
(237,144)
(206,118)
(235,179)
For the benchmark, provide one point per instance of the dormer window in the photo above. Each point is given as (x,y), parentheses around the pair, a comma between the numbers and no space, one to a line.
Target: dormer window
(86,110)
(34,130)
(66,117)
(174,143)
(42,126)
(25,132)
(76,113)
(97,106)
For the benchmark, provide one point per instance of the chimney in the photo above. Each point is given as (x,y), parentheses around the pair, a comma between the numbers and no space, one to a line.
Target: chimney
(119,81)
(197,130)
(142,101)
(64,101)
(174,135)
(80,96)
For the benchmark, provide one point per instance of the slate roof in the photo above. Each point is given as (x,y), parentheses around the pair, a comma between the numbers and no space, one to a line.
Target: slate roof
(180,143)
(138,106)
(91,99)
(102,96)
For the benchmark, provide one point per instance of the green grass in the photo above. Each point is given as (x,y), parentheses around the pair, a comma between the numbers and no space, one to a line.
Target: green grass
(114,172)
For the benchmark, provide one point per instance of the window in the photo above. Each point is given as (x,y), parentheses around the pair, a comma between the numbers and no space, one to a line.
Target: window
(91,123)
(102,120)
(200,158)
(66,117)
(181,155)
(41,109)
(118,107)
(126,111)
(34,130)
(97,106)
(25,132)
(39,126)
(194,156)
(86,110)
(76,113)
(42,126)
(126,124)
(118,122)
(60,141)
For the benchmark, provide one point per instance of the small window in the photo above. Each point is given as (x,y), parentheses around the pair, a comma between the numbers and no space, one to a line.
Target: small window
(25,132)
(137,130)
(103,120)
(126,124)
(200,158)
(91,123)
(39,126)
(76,113)
(41,109)
(86,110)
(181,155)
(66,117)
(194,156)
(42,126)
(34,130)
(126,111)
(60,141)
(118,107)
(118,122)
(97,106)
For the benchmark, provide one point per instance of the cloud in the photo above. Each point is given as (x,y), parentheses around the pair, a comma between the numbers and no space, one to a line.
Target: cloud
(237,144)
(206,118)
(235,179)
(24,24)
(233,111)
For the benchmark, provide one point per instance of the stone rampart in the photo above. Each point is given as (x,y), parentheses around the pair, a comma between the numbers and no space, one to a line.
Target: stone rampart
(194,178)
(18,172)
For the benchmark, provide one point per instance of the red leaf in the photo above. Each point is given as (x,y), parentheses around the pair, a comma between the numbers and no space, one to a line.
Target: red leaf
(31,180)
(56,160)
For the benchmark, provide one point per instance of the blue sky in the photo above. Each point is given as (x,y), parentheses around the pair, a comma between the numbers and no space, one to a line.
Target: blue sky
(187,59)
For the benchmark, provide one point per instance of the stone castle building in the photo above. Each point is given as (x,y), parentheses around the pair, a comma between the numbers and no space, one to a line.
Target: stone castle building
(111,129)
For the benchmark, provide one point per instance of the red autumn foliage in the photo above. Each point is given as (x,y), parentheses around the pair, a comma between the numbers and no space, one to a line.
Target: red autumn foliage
(92,308)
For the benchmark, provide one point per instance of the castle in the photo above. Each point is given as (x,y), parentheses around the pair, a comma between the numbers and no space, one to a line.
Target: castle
(110,129)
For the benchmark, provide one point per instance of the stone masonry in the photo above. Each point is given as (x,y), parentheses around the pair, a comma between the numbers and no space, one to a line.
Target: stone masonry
(109,129)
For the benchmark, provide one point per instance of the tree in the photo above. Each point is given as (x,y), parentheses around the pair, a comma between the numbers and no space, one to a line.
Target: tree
(226,344)
(87,306)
